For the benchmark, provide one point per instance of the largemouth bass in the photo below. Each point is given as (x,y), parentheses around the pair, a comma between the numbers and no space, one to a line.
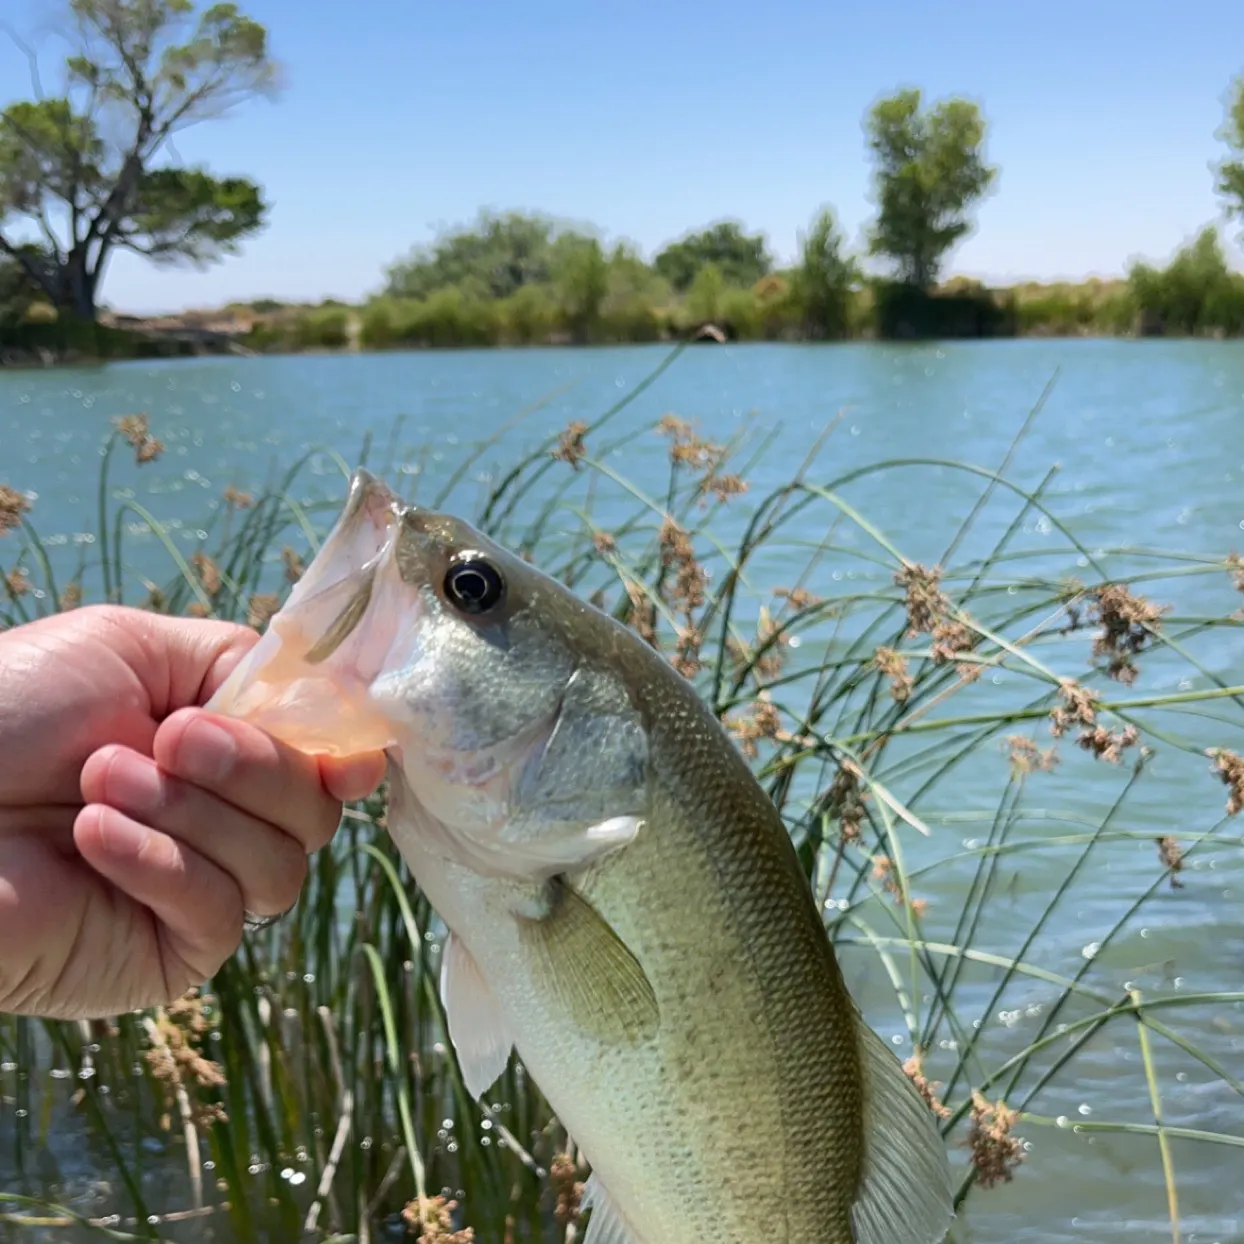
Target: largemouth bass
(625,908)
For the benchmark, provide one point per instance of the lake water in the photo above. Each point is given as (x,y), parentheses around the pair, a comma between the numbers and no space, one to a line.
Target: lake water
(1149,441)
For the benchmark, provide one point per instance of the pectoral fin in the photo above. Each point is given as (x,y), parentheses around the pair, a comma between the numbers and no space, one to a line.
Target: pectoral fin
(476,1025)
(589,968)
(607,1225)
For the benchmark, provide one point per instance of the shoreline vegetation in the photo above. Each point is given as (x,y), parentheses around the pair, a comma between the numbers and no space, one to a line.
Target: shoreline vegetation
(308,1092)
(1195,295)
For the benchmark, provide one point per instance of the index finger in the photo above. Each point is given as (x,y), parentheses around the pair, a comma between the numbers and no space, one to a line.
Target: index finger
(352,777)
(251,770)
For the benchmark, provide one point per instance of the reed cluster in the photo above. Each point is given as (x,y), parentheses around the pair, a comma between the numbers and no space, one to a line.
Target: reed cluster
(308,1091)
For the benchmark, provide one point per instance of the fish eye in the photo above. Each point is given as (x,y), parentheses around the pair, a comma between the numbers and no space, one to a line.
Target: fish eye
(474,585)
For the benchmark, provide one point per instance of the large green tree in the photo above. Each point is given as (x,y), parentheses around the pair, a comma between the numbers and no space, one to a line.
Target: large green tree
(740,258)
(90,171)
(1231,170)
(494,257)
(930,171)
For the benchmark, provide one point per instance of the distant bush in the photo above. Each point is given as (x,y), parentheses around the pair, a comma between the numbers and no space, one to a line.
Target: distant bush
(528,317)
(628,318)
(739,311)
(1195,294)
(378,324)
(1065,310)
(66,338)
(704,299)
(906,312)
(269,336)
(446,318)
(532,315)
(327,328)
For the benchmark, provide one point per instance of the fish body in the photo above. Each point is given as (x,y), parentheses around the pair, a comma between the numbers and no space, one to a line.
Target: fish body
(625,908)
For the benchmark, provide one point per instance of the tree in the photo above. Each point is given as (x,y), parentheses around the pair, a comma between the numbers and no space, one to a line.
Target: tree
(740,259)
(1195,293)
(501,252)
(1231,171)
(88,172)
(930,171)
(825,278)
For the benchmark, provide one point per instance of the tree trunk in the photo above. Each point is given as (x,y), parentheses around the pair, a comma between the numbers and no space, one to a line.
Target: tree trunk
(79,287)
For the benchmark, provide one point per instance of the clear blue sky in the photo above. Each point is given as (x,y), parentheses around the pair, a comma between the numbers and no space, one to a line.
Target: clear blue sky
(648,118)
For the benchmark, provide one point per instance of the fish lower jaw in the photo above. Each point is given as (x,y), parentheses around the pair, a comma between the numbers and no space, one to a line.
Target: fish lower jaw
(312,715)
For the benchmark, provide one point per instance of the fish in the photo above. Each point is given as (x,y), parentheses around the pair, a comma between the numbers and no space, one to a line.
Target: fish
(625,910)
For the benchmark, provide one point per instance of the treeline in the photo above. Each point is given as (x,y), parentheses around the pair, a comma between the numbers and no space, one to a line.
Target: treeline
(91,172)
(522,278)
(612,296)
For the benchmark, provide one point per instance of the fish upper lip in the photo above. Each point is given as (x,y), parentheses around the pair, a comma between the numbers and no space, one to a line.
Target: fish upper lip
(379,504)
(372,508)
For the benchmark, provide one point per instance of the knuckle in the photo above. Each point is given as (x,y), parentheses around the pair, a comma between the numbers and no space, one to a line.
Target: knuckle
(287,872)
(293,858)
(232,924)
(192,955)
(294,880)
(167,859)
(324,824)
(220,931)
(228,920)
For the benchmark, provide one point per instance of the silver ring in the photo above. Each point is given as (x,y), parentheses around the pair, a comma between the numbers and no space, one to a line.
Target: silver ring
(252,923)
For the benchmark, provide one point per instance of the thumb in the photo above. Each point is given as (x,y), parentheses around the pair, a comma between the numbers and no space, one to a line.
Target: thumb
(180,661)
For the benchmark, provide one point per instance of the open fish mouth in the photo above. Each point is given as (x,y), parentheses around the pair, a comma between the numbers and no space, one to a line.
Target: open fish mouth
(305,682)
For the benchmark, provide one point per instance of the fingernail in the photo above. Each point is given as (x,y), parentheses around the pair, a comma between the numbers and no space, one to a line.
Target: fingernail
(207,753)
(134,785)
(122,837)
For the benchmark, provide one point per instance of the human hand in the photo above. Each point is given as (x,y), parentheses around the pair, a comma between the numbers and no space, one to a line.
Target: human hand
(135,828)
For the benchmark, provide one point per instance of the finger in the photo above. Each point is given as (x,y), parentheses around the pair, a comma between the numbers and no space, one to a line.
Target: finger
(266,865)
(352,777)
(178,660)
(198,904)
(250,770)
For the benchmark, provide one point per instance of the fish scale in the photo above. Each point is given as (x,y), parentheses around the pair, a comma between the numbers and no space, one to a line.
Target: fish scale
(792,980)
